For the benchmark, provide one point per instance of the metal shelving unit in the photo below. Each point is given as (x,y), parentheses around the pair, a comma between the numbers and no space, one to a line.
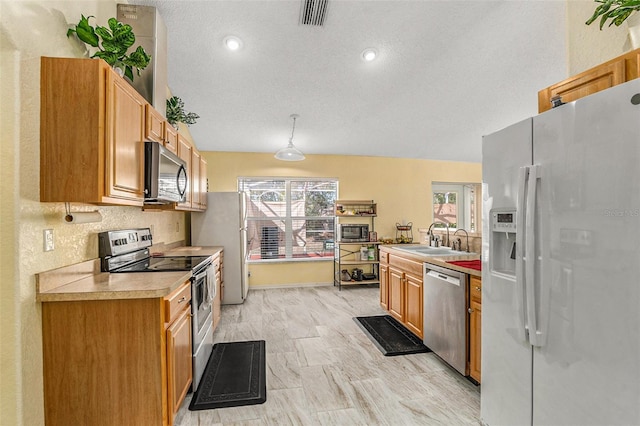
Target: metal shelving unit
(347,253)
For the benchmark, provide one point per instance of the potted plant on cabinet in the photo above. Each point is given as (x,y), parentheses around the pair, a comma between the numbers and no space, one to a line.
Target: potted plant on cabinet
(617,11)
(176,113)
(113,44)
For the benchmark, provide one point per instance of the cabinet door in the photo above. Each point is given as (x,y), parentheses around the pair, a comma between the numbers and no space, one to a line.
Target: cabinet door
(587,83)
(413,304)
(184,152)
(125,142)
(170,138)
(475,339)
(195,179)
(384,286)
(475,326)
(154,125)
(180,373)
(204,186)
(396,293)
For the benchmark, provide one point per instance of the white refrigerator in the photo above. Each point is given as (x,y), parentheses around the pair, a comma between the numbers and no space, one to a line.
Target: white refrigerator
(224,223)
(561,265)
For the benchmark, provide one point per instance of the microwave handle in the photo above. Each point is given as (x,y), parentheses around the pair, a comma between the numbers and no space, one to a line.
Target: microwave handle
(182,171)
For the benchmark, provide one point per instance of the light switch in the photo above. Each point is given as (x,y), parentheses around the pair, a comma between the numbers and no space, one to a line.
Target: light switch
(48,240)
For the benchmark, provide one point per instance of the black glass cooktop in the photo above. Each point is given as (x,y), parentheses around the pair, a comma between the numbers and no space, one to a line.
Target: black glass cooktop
(165,264)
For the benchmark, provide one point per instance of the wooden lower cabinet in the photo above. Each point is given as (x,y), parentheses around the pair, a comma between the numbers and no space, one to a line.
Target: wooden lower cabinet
(475,327)
(413,305)
(384,286)
(121,361)
(179,361)
(396,293)
(401,290)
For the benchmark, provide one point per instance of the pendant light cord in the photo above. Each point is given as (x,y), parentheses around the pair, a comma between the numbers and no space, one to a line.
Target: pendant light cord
(293,130)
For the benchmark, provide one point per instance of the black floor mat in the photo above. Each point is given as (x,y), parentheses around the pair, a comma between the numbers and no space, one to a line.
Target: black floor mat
(235,375)
(391,337)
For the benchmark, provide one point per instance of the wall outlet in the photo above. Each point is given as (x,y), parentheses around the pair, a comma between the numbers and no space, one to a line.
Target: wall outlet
(48,239)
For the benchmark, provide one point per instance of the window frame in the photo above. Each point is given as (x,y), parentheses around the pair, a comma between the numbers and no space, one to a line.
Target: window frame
(288,219)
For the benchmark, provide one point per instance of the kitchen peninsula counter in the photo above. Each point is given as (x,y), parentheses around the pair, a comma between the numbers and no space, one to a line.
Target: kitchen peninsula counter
(85,281)
(436,260)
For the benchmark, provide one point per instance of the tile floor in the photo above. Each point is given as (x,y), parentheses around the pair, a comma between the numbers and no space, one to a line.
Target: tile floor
(323,370)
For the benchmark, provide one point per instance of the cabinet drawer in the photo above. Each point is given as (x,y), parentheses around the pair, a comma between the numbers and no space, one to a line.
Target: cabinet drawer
(176,302)
(475,289)
(384,256)
(408,266)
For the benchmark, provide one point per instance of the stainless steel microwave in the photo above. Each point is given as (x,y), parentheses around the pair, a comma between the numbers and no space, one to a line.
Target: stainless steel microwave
(353,232)
(165,175)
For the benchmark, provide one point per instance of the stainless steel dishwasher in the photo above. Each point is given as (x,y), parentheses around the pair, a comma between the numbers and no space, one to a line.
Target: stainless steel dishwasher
(445,315)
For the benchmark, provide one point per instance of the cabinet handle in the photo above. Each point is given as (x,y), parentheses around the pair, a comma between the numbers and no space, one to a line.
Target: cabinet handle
(470,310)
(182,299)
(478,289)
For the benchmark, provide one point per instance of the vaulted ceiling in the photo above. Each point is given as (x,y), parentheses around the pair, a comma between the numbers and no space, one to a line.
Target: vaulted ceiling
(447,72)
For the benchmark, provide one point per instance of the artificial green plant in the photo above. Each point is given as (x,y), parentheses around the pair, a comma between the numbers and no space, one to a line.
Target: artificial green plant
(113,44)
(617,11)
(176,113)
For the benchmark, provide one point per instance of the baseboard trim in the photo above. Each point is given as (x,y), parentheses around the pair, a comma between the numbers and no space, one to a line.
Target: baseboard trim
(293,285)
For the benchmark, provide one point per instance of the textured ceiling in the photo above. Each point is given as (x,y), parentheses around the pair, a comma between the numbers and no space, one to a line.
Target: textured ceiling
(447,73)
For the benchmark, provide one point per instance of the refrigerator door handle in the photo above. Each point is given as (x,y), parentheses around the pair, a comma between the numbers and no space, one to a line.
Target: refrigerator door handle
(523,175)
(530,257)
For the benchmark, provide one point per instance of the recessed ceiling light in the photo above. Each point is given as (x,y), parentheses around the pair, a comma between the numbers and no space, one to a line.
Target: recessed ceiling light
(232,43)
(369,54)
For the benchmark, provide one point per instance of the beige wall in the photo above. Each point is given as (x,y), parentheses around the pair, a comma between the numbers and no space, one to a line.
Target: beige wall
(29,30)
(400,187)
(587,45)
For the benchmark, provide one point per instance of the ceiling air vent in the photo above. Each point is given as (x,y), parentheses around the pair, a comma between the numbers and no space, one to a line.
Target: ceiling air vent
(313,12)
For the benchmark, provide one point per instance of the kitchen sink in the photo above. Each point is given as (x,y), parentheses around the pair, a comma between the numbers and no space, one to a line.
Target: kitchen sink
(433,251)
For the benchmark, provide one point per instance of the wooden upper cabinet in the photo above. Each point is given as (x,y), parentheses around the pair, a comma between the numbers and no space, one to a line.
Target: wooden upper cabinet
(204,183)
(154,125)
(609,74)
(170,138)
(195,179)
(125,144)
(92,126)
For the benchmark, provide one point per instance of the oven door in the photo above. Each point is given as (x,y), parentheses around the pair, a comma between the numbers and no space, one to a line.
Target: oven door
(201,303)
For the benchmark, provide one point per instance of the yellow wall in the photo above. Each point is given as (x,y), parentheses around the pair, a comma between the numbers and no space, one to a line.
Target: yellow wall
(400,187)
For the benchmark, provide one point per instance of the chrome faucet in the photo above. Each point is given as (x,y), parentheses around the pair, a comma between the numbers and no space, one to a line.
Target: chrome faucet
(467,234)
(431,233)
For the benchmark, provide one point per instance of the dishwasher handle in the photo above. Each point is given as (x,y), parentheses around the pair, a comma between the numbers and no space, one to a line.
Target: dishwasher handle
(443,277)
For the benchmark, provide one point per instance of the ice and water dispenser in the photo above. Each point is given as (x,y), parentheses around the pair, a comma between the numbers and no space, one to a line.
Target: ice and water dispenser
(503,241)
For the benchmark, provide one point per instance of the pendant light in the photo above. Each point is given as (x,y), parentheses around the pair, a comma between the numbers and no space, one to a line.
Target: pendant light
(290,153)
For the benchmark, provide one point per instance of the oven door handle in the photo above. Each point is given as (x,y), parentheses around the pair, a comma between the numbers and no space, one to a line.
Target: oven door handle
(206,273)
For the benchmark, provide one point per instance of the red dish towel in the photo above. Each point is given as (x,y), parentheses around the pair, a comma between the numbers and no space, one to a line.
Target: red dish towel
(471,264)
